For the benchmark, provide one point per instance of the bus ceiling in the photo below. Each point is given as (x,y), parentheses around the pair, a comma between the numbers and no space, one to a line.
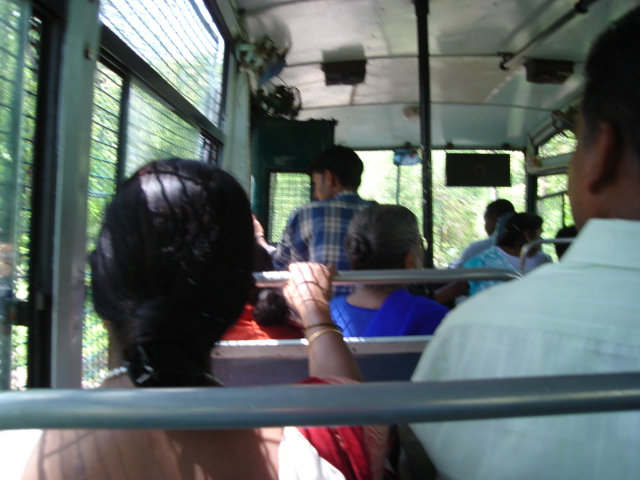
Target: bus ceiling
(474,102)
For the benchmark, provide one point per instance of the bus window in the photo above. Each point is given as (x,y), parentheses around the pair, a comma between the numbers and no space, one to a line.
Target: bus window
(287,191)
(20,50)
(180,41)
(552,200)
(458,212)
(103,179)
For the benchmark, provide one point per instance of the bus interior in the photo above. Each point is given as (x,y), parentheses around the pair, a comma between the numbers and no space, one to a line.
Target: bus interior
(91,90)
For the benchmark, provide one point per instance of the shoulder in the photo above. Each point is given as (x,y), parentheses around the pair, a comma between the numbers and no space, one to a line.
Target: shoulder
(428,305)
(142,454)
(479,259)
(478,247)
(542,257)
(348,199)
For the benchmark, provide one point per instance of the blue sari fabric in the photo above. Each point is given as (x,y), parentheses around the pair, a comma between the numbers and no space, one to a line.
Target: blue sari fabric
(492,257)
(400,314)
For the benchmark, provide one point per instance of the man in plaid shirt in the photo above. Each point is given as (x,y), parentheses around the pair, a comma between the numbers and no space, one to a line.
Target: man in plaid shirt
(315,232)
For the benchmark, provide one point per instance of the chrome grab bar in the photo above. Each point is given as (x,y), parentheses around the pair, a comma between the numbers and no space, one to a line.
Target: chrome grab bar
(370,403)
(395,277)
(534,243)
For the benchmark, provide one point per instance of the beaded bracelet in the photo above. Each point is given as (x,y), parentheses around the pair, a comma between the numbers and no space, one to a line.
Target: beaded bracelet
(325,324)
(322,332)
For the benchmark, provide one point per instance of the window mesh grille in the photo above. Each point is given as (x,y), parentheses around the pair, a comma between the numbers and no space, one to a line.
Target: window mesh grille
(103,180)
(18,94)
(287,191)
(179,39)
(156,132)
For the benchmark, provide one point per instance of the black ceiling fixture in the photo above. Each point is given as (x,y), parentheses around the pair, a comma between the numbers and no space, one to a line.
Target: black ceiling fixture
(351,72)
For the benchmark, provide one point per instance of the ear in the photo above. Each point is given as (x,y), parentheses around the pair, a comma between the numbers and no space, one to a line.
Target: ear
(604,156)
(330,178)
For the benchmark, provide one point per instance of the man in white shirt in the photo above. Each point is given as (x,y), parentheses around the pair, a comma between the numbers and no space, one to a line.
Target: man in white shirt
(497,210)
(579,316)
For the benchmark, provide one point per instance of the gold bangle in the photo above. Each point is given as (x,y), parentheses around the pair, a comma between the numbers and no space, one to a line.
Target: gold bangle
(325,324)
(322,332)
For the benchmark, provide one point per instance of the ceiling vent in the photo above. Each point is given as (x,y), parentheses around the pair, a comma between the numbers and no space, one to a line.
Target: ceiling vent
(548,71)
(351,72)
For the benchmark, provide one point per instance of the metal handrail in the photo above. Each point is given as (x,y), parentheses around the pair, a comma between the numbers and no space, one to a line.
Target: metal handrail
(534,243)
(395,277)
(373,403)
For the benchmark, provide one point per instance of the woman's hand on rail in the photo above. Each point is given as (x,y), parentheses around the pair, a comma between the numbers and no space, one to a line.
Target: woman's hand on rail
(308,291)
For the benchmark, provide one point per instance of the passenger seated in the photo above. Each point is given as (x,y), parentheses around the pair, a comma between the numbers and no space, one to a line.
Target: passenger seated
(565,232)
(579,316)
(494,216)
(519,229)
(171,273)
(385,237)
(266,314)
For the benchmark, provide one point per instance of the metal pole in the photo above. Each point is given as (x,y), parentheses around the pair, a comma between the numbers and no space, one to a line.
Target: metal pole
(422,12)
(360,404)
(398,185)
(528,246)
(395,277)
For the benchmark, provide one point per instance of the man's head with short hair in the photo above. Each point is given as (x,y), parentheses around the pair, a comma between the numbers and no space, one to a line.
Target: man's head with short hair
(611,90)
(494,211)
(604,172)
(336,169)
(565,232)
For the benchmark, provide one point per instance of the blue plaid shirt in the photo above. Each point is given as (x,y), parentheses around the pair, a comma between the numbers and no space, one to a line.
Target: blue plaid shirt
(315,233)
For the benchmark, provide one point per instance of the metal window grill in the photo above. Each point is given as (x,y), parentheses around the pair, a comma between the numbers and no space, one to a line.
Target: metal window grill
(18,87)
(156,132)
(287,191)
(209,150)
(30,79)
(179,40)
(103,179)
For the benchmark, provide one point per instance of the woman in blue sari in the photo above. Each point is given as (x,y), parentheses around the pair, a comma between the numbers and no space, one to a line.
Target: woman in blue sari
(385,237)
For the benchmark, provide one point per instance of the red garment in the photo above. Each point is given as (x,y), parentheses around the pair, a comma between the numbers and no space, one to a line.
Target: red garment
(357,451)
(246,328)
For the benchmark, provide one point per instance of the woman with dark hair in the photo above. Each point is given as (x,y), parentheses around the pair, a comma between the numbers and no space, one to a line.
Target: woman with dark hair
(385,237)
(171,273)
(519,229)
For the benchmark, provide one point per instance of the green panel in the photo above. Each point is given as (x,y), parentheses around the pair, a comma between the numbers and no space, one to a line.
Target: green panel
(280,145)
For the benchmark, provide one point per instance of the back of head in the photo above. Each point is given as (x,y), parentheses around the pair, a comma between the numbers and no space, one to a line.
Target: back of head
(172,268)
(343,162)
(515,228)
(611,90)
(500,207)
(380,236)
(270,307)
(565,232)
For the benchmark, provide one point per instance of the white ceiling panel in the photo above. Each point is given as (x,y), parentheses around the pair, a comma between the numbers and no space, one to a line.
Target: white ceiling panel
(369,126)
(332,30)
(389,80)
(475,103)
(450,78)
